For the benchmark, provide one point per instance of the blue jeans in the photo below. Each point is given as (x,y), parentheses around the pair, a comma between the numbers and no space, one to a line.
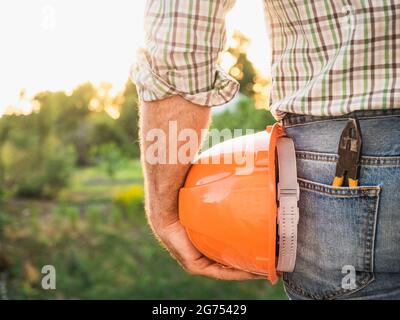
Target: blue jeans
(348,238)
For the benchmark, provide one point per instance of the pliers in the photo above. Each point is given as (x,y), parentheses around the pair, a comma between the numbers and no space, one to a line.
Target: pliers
(349,154)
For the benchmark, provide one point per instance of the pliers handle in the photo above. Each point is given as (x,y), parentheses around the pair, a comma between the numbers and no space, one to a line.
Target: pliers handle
(349,152)
(338,182)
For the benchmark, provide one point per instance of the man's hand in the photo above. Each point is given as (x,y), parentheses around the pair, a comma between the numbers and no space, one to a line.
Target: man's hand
(163,181)
(177,242)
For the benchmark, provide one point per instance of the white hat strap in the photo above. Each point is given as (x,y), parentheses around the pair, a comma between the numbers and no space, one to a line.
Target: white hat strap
(288,212)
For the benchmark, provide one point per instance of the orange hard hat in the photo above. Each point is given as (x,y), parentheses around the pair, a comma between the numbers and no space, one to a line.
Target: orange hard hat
(229,203)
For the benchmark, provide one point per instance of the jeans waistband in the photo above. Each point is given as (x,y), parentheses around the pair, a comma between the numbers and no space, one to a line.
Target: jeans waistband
(380,131)
(293,119)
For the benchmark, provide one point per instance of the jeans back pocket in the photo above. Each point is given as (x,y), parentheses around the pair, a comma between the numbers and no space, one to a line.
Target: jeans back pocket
(336,236)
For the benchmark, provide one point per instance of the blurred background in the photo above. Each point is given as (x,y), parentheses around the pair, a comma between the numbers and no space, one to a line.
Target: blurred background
(71,186)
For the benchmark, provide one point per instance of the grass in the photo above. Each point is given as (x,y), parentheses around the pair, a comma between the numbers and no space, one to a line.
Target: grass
(93,184)
(100,250)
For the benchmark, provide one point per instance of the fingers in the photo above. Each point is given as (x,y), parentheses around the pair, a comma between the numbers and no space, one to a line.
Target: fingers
(208,268)
(217,271)
(178,243)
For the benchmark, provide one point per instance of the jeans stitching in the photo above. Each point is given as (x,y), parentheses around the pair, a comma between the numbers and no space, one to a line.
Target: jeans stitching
(364,281)
(342,192)
(389,161)
(301,124)
(370,236)
(294,120)
(374,225)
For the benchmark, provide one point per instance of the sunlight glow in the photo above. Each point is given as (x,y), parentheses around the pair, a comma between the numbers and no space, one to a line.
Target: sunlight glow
(58,44)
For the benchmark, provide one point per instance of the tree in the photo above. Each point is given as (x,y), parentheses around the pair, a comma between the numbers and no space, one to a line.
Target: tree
(128,120)
(110,157)
(252,83)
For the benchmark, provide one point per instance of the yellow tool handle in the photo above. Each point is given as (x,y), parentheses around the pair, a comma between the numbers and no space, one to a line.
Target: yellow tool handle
(338,181)
(353,183)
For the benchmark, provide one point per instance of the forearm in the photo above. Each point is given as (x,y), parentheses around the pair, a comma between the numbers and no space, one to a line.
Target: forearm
(163,180)
(189,73)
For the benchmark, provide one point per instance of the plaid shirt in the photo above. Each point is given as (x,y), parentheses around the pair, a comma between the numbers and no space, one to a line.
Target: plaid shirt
(329,57)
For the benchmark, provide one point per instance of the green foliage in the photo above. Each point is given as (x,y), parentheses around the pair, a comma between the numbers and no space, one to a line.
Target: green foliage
(39,151)
(99,252)
(94,230)
(128,121)
(242,116)
(243,69)
(110,157)
(69,213)
(39,171)
(129,200)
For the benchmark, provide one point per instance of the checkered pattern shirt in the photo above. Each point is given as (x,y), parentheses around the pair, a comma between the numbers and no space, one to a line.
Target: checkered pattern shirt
(328,57)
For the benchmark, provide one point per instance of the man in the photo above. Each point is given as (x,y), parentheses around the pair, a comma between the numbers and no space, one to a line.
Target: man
(332,61)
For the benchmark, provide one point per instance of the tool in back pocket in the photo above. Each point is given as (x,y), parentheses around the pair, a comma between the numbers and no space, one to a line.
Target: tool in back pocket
(349,155)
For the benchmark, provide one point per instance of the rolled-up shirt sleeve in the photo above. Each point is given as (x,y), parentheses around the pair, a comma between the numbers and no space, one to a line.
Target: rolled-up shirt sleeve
(183,41)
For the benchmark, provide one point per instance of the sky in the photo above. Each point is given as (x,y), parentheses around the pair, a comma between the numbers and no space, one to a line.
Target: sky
(58,44)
